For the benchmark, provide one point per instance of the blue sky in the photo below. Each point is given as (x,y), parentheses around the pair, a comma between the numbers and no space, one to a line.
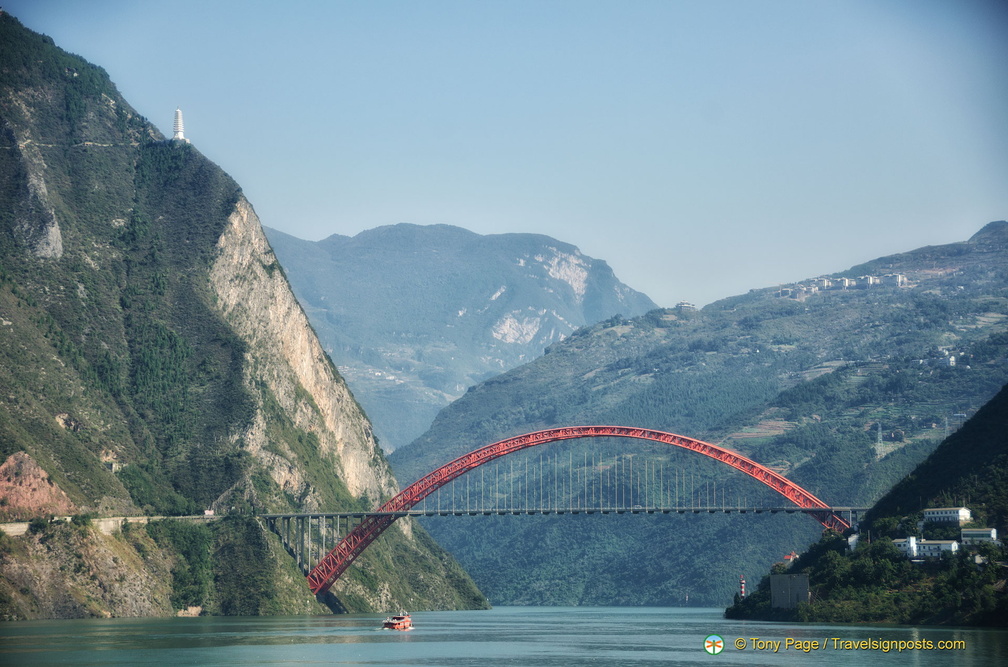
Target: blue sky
(701,148)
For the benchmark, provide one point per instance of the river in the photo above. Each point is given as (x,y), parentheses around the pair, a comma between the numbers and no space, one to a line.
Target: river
(514,636)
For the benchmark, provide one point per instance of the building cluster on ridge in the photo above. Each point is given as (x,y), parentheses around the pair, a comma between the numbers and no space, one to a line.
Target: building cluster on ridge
(802,291)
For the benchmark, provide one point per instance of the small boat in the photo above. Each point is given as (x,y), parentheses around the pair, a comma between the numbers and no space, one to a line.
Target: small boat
(400,622)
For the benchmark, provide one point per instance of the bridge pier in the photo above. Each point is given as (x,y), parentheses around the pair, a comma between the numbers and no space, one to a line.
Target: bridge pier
(308,537)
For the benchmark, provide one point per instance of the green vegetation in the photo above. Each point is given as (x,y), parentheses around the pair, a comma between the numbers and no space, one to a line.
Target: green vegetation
(844,392)
(244,584)
(38,525)
(233,567)
(192,575)
(119,374)
(152,493)
(118,333)
(876,583)
(969,469)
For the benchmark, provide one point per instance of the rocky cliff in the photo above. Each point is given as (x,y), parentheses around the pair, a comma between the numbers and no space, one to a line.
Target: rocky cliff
(286,357)
(153,360)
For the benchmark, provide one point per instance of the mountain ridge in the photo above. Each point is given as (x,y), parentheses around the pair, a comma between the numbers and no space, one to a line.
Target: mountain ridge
(433,309)
(156,362)
(840,385)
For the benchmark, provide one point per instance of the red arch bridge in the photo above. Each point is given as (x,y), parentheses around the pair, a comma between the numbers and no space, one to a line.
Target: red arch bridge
(297,530)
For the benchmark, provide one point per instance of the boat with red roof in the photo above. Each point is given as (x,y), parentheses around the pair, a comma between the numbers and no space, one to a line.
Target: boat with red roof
(400,622)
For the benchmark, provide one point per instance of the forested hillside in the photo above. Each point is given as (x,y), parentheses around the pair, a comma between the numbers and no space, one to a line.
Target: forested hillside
(417,314)
(153,360)
(969,469)
(843,388)
(876,583)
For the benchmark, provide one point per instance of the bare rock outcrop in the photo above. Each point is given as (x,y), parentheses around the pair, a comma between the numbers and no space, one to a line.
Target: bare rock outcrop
(26,490)
(286,356)
(36,226)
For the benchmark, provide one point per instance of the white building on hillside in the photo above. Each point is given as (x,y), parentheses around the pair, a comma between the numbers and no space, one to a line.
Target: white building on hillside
(897,279)
(978,535)
(958,515)
(915,549)
(935,548)
(907,546)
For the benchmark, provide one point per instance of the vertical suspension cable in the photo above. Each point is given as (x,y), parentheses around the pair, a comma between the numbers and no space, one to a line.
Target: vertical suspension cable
(570,479)
(595,469)
(661,485)
(526,483)
(584,483)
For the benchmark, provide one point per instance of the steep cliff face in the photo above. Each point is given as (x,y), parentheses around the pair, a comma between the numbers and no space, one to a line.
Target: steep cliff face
(154,361)
(37,226)
(285,355)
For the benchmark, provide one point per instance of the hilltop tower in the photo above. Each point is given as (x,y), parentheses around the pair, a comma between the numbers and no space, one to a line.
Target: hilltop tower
(179,136)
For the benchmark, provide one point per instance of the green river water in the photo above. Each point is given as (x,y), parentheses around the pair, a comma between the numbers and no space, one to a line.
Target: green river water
(540,636)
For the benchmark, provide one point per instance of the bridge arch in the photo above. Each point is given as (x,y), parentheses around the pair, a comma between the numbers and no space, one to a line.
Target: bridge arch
(329,569)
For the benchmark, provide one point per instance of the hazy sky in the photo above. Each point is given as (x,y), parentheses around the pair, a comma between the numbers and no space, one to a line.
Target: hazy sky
(702,148)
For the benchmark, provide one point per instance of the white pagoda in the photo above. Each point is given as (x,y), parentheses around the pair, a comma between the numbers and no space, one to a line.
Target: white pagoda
(179,136)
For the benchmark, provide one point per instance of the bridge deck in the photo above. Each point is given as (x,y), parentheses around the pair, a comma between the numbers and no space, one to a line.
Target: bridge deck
(555,510)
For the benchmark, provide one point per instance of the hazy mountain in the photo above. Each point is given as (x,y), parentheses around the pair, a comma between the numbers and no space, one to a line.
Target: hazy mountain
(153,360)
(843,387)
(417,314)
